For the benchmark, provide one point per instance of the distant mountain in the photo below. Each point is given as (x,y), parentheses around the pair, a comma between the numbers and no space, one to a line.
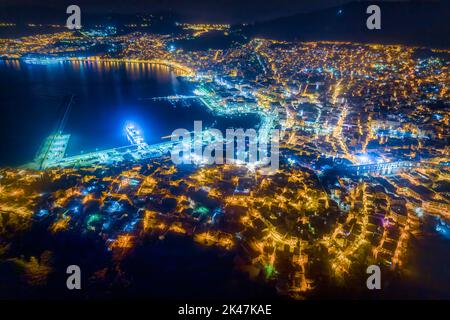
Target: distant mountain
(424,23)
(56,14)
(160,22)
(34,14)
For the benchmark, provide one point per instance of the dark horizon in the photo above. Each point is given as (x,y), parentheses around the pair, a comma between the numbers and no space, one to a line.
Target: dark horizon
(220,11)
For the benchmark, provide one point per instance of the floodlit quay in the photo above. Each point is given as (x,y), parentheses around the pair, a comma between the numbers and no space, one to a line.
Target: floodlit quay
(53,154)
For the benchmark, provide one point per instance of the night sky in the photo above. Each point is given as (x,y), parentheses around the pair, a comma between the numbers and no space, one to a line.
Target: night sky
(231,11)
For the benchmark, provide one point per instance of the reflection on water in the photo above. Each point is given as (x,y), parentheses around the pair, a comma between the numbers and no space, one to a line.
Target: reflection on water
(108,94)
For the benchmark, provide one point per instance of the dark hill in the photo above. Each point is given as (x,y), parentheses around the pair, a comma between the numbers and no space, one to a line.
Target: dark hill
(414,23)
